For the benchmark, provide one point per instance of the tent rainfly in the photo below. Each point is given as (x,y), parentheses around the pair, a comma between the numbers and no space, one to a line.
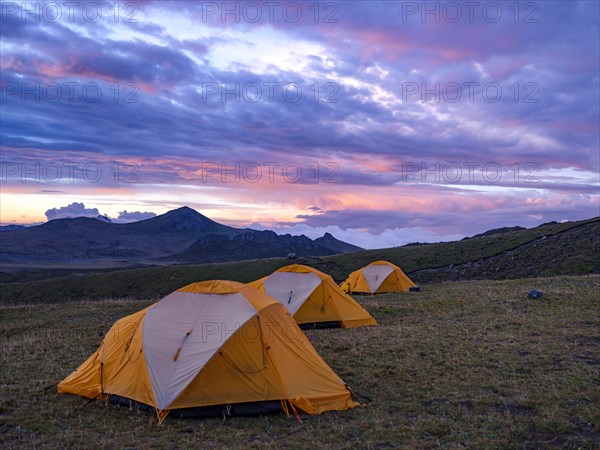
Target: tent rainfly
(313,298)
(378,277)
(209,348)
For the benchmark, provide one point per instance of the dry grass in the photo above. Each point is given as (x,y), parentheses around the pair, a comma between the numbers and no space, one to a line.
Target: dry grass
(469,364)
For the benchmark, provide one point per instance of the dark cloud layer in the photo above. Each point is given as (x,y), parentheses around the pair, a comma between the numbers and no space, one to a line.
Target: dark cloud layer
(145,91)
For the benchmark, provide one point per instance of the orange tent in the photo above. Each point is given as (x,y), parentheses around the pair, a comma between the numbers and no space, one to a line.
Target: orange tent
(215,344)
(376,278)
(312,297)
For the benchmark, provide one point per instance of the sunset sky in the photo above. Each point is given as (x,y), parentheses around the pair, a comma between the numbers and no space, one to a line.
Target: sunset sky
(380,122)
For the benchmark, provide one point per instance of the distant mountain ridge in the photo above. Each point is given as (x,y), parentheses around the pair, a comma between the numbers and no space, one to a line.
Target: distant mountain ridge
(11,227)
(569,248)
(258,245)
(181,235)
(337,246)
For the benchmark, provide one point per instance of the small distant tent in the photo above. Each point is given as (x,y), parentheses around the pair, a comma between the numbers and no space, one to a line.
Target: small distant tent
(378,277)
(313,298)
(209,348)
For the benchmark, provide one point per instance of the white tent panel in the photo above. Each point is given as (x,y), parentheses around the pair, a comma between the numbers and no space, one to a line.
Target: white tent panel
(181,334)
(375,274)
(291,288)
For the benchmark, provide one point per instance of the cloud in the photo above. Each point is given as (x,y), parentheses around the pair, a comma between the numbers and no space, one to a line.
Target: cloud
(79,210)
(481,214)
(73,210)
(387,238)
(166,62)
(133,216)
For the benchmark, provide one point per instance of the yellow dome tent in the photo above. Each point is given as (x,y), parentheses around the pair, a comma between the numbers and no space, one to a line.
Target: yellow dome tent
(376,278)
(206,348)
(312,297)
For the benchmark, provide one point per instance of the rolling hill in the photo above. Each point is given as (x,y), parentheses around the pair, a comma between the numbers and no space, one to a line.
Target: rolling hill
(570,248)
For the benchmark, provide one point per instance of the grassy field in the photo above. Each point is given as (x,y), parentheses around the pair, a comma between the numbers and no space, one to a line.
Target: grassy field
(466,364)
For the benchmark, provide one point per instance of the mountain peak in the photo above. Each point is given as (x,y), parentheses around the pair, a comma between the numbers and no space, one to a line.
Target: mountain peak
(337,246)
(184,210)
(186,219)
(188,213)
